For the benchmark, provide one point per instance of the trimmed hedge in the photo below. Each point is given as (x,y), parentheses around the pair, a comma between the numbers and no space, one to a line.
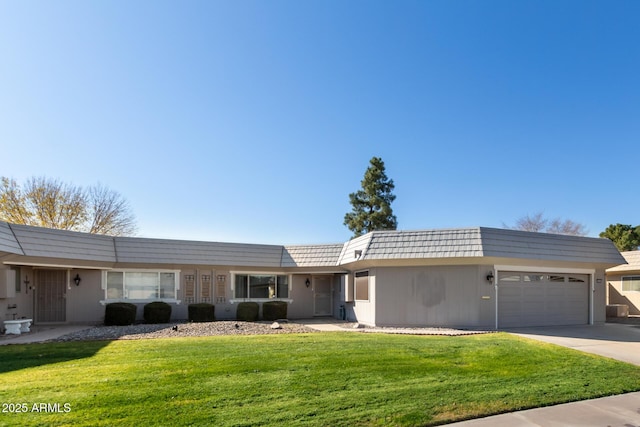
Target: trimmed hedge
(274,310)
(247,311)
(120,314)
(157,312)
(201,312)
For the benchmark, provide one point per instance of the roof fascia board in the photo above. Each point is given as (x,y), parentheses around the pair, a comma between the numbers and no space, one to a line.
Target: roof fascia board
(46,265)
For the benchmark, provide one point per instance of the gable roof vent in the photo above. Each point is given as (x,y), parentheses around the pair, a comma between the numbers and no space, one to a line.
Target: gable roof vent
(357,253)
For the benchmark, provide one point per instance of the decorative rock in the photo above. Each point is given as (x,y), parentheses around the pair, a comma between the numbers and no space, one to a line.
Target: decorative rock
(199,329)
(357,326)
(276,325)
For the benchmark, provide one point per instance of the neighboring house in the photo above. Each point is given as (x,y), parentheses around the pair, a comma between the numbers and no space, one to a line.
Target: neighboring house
(624,283)
(470,278)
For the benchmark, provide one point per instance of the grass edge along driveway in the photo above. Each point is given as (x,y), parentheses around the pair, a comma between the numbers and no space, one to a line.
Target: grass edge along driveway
(317,379)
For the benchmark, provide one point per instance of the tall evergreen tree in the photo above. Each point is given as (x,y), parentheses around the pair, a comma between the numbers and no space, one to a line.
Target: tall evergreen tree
(372,204)
(626,237)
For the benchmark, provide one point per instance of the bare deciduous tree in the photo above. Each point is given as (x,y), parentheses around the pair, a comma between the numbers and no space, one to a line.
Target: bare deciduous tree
(539,223)
(110,213)
(51,203)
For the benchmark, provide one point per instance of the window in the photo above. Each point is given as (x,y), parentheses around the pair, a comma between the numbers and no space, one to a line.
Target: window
(509,277)
(631,283)
(141,285)
(362,285)
(18,278)
(261,286)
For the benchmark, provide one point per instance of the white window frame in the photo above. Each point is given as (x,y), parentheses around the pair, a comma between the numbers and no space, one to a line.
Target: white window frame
(233,275)
(635,276)
(176,287)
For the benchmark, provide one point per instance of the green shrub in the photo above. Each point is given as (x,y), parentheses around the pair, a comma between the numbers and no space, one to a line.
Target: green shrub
(274,310)
(157,312)
(202,312)
(120,314)
(247,311)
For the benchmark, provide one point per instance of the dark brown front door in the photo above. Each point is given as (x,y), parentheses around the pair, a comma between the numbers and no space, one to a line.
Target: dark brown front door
(50,296)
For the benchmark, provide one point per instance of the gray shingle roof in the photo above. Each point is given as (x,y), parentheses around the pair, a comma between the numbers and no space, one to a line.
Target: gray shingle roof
(8,242)
(159,251)
(447,243)
(481,242)
(476,242)
(49,243)
(311,255)
(543,246)
(633,262)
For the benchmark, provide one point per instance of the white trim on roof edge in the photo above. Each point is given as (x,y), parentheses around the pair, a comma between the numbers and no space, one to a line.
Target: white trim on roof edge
(41,264)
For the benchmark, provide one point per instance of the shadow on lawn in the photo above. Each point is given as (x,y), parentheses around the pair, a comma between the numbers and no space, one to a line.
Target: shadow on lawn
(22,356)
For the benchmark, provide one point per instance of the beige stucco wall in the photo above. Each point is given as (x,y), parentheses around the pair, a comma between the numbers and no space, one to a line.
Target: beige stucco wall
(83,301)
(449,296)
(365,311)
(302,296)
(22,299)
(617,296)
(599,297)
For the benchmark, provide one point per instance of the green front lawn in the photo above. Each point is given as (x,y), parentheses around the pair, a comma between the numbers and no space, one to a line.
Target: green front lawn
(309,379)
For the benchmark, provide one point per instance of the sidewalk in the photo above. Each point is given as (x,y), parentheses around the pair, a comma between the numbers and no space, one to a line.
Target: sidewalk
(613,411)
(41,333)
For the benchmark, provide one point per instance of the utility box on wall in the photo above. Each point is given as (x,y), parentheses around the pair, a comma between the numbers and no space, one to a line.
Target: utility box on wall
(7,284)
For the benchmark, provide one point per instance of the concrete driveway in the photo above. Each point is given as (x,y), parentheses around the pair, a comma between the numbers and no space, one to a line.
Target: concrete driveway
(615,340)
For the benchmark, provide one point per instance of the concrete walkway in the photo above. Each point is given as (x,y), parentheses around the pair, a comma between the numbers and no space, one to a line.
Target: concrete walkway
(612,411)
(328,324)
(41,334)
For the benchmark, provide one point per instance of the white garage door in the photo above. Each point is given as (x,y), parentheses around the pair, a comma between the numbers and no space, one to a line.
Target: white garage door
(542,299)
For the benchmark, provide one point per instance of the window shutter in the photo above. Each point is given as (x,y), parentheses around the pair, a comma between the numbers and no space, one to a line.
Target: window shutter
(189,288)
(221,289)
(205,288)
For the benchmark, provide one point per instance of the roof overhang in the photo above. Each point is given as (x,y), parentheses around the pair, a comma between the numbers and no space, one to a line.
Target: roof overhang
(56,265)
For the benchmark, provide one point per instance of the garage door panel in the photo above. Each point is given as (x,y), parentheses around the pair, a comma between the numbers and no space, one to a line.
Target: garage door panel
(541,299)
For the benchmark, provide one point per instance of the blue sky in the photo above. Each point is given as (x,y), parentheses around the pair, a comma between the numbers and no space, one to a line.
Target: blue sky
(252,121)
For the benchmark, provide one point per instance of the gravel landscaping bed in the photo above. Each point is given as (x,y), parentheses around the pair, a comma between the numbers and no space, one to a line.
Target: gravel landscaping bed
(232,327)
(172,330)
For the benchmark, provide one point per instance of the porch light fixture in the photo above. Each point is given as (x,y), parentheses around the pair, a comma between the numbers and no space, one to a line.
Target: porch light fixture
(307,283)
(490,277)
(77,279)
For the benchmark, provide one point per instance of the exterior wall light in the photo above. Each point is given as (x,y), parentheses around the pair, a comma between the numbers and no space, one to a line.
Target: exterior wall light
(77,280)
(307,283)
(490,277)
